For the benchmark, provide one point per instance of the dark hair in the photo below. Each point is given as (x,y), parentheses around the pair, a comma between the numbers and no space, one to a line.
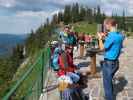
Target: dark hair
(67,26)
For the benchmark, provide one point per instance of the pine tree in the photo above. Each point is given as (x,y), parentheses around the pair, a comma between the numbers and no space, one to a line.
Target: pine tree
(47,21)
(98,15)
(75,12)
(60,17)
(89,16)
(67,14)
(94,15)
(55,19)
(123,21)
(103,16)
(82,13)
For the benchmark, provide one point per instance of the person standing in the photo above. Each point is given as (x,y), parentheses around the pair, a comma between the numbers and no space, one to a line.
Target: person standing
(112,46)
(81,40)
(64,34)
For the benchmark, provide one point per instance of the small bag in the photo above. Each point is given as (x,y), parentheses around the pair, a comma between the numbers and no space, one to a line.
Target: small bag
(64,82)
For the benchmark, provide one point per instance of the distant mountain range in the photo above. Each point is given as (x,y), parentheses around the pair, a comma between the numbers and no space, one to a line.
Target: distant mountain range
(8,41)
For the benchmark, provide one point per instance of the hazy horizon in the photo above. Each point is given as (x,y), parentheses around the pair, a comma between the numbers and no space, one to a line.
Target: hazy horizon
(14,33)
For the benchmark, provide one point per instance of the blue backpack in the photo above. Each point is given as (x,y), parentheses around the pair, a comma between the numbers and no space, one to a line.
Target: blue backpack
(55,58)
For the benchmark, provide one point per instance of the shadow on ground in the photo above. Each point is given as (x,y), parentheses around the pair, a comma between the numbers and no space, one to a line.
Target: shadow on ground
(83,84)
(83,58)
(119,86)
(99,69)
(84,64)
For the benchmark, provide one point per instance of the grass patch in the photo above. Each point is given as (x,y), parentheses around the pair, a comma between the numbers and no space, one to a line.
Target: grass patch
(129,34)
(85,27)
(29,81)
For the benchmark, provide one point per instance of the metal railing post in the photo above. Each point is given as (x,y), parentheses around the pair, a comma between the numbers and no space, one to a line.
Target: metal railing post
(42,71)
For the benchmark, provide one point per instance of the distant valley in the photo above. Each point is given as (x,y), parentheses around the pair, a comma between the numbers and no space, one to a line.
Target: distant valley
(8,41)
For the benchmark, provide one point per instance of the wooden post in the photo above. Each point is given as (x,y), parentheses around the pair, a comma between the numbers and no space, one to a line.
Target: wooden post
(81,50)
(93,64)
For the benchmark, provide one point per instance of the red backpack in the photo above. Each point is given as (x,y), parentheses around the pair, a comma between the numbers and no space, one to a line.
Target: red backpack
(65,64)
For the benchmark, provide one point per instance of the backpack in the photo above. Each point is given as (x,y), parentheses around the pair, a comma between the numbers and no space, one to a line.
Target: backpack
(65,63)
(55,58)
(71,39)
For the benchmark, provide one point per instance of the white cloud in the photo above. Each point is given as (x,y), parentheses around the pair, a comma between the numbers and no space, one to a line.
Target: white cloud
(35,14)
(130,7)
(117,6)
(64,2)
(23,21)
(18,25)
(29,14)
(7,3)
(36,5)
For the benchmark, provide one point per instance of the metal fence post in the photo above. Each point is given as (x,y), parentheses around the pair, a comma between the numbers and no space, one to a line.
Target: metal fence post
(42,71)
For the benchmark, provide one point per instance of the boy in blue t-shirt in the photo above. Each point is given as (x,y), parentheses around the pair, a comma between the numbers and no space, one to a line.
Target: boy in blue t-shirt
(112,48)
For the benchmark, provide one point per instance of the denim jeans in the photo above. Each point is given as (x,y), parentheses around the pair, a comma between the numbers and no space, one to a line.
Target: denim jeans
(109,69)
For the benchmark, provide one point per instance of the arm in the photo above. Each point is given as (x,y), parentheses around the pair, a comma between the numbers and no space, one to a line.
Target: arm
(108,42)
(101,45)
(100,40)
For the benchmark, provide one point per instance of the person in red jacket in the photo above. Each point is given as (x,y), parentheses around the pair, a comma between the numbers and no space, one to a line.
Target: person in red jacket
(66,61)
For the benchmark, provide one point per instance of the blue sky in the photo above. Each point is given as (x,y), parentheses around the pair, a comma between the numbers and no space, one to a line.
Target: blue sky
(20,16)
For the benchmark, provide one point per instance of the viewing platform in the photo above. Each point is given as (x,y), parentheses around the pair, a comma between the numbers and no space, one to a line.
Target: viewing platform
(36,89)
(123,81)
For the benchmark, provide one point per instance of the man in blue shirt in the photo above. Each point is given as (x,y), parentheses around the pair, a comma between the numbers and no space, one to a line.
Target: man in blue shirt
(112,47)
